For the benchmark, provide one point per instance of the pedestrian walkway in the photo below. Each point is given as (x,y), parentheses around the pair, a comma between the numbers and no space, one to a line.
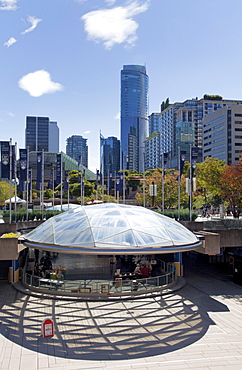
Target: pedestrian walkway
(196,327)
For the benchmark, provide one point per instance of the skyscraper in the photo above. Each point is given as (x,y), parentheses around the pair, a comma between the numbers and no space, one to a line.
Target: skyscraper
(134,116)
(76,148)
(41,133)
(109,155)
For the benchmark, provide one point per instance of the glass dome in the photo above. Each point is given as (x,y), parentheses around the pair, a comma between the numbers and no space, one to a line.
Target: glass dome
(111,229)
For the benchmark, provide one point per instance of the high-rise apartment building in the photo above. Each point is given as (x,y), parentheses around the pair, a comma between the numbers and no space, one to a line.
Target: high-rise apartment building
(109,155)
(152,151)
(181,125)
(76,148)
(134,116)
(153,123)
(41,133)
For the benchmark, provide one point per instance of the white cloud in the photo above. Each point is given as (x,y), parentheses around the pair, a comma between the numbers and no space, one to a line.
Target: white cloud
(117,116)
(11,114)
(10,42)
(34,22)
(87,132)
(39,83)
(110,2)
(114,26)
(8,4)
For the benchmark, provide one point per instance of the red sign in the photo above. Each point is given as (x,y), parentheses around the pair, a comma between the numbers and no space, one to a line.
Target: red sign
(48,328)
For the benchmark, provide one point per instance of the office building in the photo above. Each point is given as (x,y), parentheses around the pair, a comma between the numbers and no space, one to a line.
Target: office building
(41,134)
(109,155)
(134,116)
(222,134)
(76,148)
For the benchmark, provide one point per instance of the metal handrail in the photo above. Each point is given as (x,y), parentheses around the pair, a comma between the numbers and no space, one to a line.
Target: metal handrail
(94,287)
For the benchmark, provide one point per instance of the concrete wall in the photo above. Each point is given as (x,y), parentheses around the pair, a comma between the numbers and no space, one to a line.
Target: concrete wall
(9,249)
(7,228)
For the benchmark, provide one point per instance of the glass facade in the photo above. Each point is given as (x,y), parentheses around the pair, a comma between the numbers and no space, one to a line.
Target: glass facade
(109,155)
(134,116)
(154,123)
(76,148)
(38,136)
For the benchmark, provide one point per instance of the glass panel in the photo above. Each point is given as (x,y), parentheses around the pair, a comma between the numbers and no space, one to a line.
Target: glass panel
(160,232)
(43,229)
(48,239)
(104,233)
(73,224)
(84,238)
(123,239)
(77,238)
(182,237)
(140,222)
(146,239)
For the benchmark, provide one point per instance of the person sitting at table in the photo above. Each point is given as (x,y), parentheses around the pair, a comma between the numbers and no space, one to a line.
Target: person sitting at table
(137,270)
(145,271)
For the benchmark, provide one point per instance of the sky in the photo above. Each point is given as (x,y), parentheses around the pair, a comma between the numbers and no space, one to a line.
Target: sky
(62,59)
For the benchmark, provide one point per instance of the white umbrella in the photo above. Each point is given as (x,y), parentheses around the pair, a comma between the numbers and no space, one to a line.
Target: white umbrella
(15,199)
(95,201)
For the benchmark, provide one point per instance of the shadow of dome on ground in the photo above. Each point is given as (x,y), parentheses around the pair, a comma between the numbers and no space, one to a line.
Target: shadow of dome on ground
(108,330)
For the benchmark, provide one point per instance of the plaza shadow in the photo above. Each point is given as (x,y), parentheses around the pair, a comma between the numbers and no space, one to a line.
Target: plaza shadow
(108,330)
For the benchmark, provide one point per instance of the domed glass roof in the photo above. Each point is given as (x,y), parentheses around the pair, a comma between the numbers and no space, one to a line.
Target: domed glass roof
(111,228)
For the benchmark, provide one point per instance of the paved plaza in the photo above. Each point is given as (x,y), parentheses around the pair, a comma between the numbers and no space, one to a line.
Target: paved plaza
(196,327)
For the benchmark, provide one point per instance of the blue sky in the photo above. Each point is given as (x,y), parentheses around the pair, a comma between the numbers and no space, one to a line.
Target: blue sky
(62,59)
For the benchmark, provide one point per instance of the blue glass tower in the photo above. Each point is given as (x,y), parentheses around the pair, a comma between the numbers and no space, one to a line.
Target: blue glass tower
(134,116)
(109,155)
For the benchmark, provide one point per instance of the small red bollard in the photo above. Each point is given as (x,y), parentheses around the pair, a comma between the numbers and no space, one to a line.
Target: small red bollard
(48,328)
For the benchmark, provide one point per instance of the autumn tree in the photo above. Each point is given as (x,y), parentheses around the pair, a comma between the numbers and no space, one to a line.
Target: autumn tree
(231,184)
(170,188)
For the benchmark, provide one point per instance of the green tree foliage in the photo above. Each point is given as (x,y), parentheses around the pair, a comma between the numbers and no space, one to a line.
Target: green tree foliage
(74,177)
(4,191)
(208,175)
(48,194)
(165,104)
(170,188)
(132,179)
(212,97)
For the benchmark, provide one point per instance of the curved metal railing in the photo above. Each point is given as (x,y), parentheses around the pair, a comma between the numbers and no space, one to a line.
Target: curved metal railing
(119,286)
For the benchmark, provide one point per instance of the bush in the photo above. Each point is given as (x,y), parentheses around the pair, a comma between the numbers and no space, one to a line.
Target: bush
(9,235)
(184,214)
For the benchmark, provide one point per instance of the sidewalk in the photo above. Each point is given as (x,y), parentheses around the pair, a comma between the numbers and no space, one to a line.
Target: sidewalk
(196,327)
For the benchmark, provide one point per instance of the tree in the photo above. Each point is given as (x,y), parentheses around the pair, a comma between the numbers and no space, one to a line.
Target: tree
(4,191)
(170,188)
(212,97)
(132,179)
(165,104)
(208,175)
(231,184)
